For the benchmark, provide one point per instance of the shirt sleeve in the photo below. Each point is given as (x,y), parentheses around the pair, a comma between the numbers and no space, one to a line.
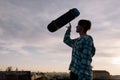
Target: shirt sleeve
(92,47)
(88,49)
(70,42)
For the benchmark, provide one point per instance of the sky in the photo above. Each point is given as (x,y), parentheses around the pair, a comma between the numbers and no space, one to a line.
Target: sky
(26,44)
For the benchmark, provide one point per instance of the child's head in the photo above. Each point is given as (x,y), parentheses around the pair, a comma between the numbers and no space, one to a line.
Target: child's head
(86,24)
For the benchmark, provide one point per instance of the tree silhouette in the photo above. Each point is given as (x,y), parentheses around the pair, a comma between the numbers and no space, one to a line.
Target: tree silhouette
(9,69)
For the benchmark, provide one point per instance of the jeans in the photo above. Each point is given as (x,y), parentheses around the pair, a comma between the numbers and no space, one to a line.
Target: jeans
(73,76)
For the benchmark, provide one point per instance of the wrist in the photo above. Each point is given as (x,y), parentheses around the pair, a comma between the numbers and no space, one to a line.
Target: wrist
(69,29)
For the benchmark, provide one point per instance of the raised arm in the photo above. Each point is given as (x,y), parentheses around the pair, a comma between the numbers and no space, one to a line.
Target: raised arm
(67,39)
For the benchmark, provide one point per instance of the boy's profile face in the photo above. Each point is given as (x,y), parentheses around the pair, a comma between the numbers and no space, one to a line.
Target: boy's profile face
(79,29)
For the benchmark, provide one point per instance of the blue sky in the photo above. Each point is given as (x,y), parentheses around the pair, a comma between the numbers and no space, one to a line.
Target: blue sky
(26,43)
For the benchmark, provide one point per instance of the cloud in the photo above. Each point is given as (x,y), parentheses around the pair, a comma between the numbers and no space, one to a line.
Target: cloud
(23,29)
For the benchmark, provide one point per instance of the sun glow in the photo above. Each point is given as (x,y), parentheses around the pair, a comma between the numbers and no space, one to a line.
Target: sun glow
(116,60)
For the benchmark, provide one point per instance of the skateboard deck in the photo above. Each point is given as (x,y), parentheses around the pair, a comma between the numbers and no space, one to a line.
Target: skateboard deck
(63,20)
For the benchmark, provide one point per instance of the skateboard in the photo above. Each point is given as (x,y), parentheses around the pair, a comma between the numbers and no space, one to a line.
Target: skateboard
(63,20)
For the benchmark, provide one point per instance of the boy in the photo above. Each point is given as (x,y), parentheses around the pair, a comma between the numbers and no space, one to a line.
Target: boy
(82,51)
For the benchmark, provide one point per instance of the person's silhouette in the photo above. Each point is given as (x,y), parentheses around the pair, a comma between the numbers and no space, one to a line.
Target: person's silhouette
(82,51)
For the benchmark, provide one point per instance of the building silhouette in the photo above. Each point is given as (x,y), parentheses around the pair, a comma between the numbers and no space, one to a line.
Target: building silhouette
(15,75)
(101,75)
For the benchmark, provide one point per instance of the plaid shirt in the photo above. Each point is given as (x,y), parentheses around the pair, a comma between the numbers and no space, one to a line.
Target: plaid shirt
(82,52)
